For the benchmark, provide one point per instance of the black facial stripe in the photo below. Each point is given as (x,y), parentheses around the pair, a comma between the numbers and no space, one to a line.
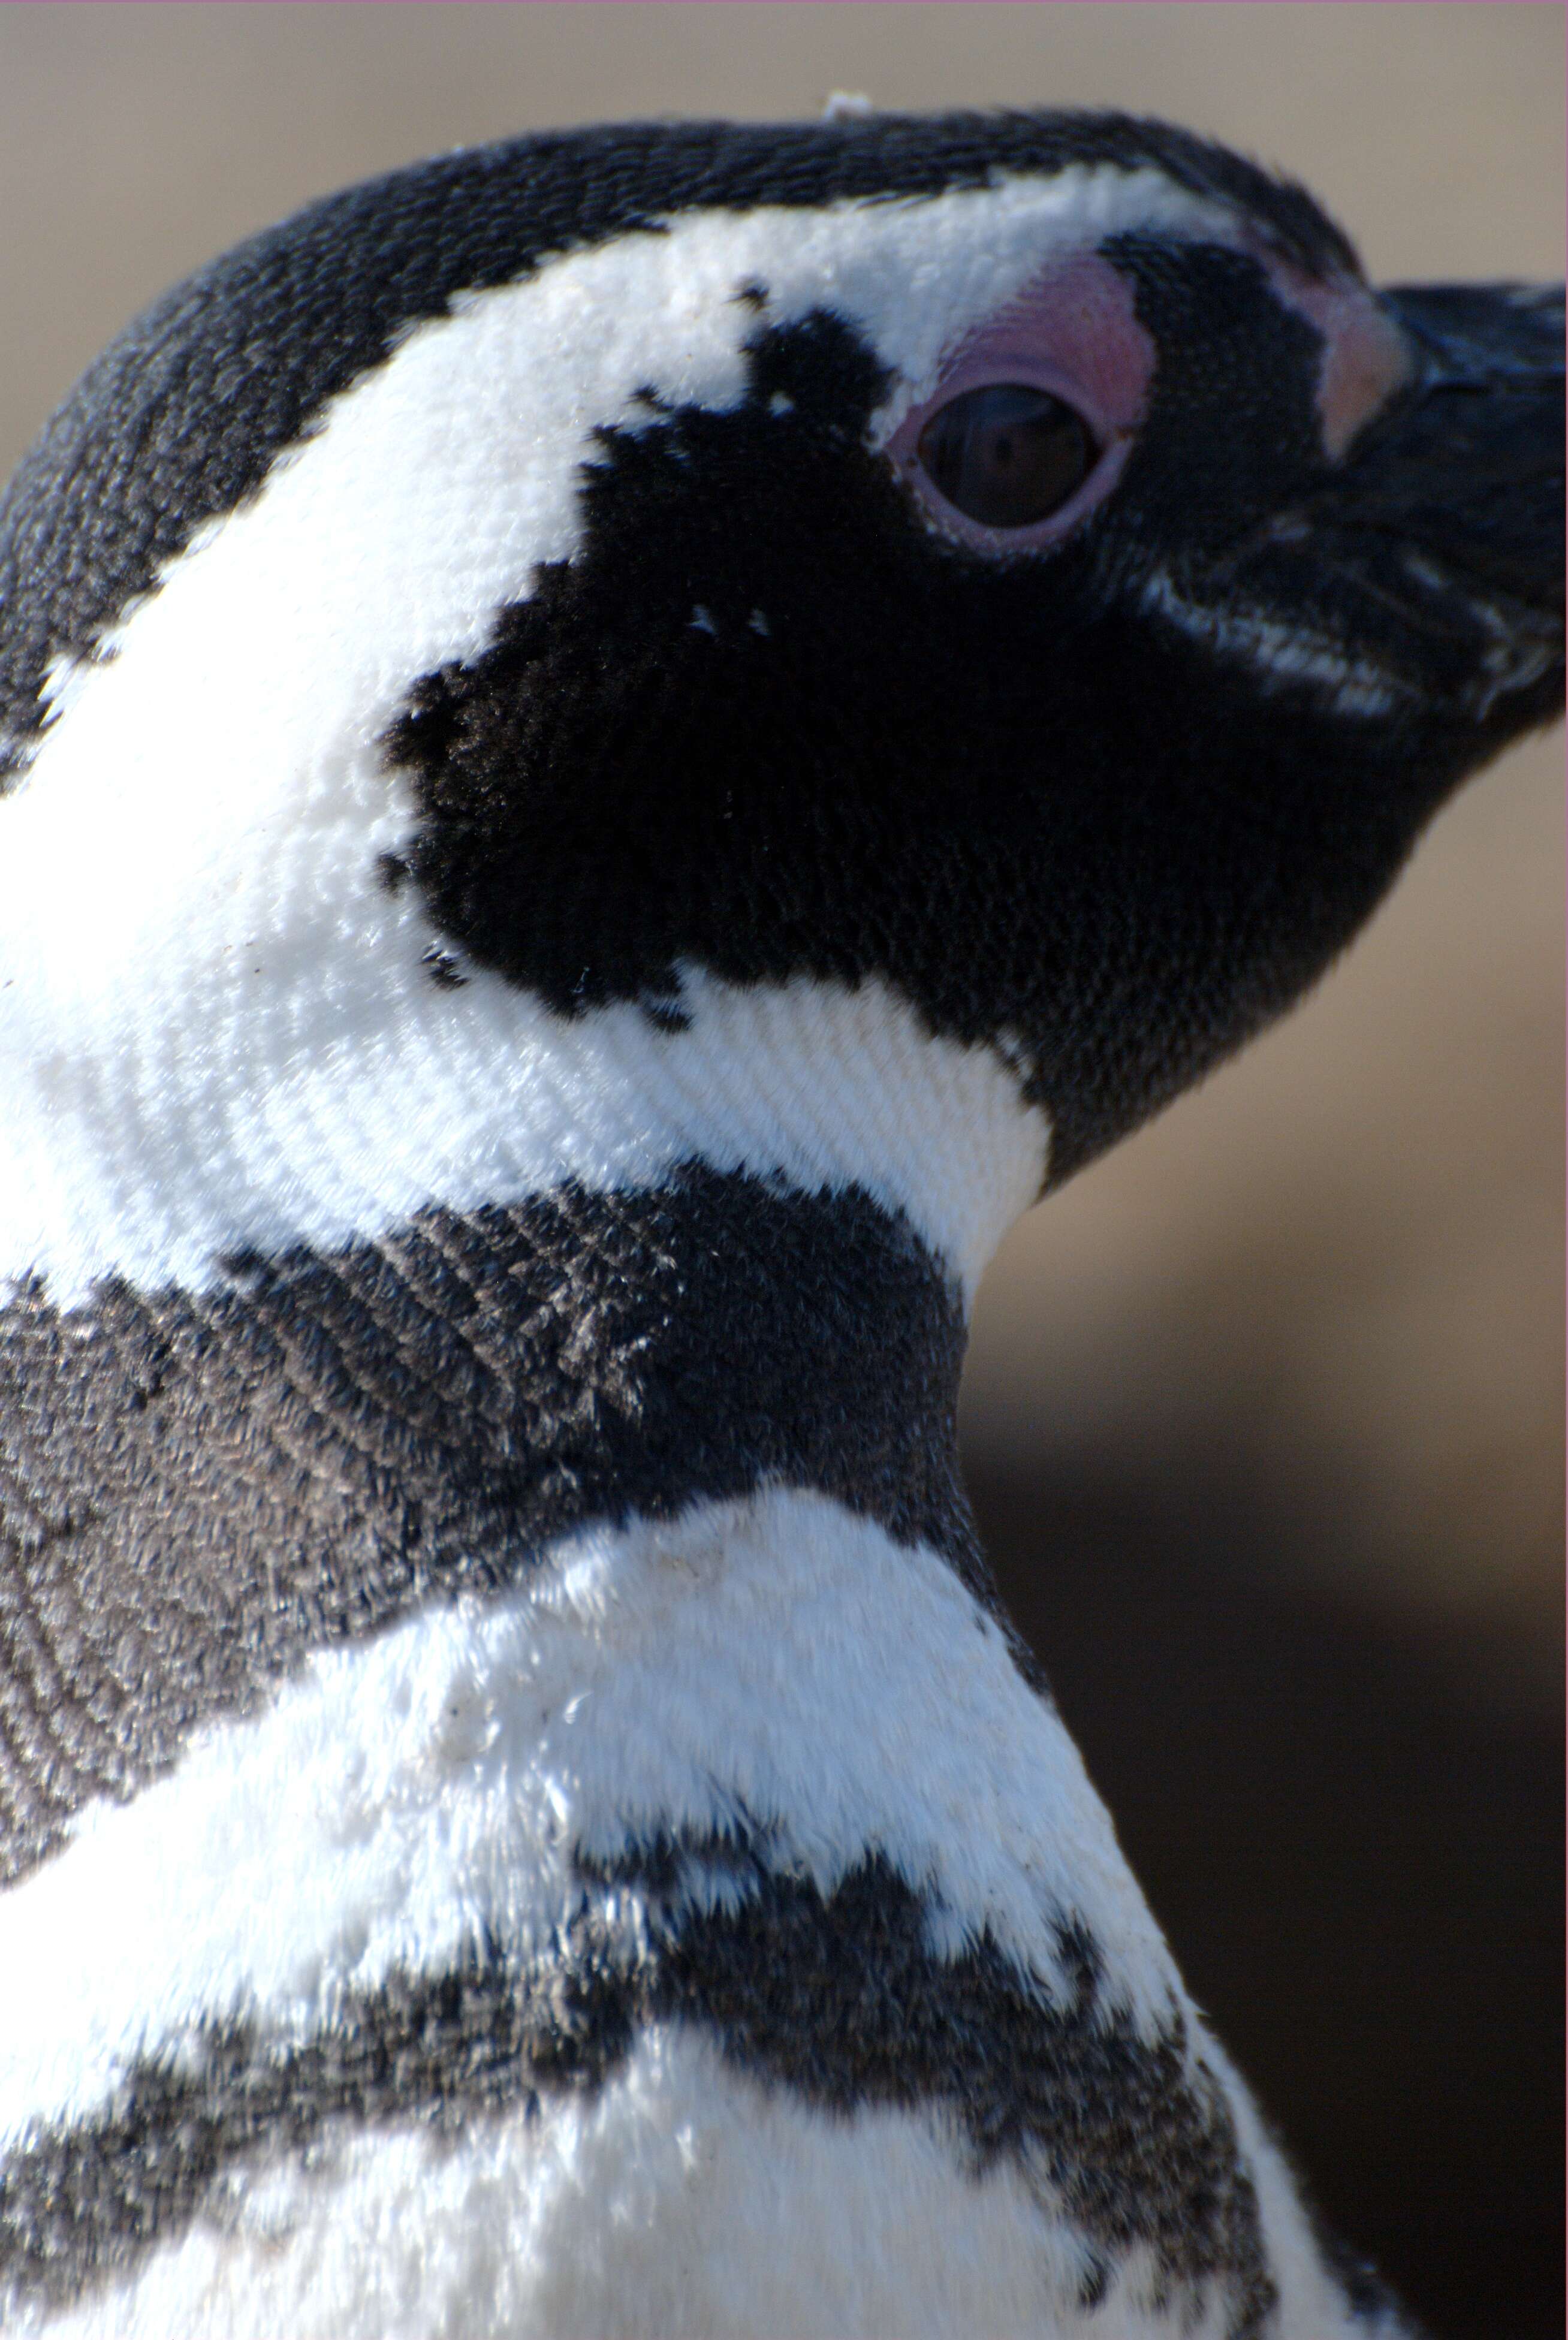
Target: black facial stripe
(1233,430)
(197,1492)
(836,1998)
(182,416)
(1004,789)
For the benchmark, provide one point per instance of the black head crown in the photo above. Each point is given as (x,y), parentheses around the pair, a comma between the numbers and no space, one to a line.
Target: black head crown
(1089,691)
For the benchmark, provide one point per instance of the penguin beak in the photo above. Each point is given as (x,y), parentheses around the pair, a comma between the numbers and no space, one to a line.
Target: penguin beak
(1482,337)
(1446,518)
(1473,466)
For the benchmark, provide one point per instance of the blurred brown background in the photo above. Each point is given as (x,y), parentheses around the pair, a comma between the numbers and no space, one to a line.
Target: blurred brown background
(1264,1416)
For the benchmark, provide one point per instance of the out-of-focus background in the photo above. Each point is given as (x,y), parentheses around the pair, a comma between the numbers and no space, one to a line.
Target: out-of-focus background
(1264,1414)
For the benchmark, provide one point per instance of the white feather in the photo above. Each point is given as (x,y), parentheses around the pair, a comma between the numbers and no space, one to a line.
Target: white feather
(778,1659)
(679,2200)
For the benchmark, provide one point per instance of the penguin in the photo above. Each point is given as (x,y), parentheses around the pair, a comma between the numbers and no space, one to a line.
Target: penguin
(618,748)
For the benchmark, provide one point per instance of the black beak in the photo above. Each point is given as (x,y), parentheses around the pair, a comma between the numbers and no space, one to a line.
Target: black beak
(1448,512)
(1482,337)
(1476,463)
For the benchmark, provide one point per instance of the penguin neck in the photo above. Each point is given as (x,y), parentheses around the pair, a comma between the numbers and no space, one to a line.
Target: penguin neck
(231,1023)
(269,1116)
(744,1255)
(740,1260)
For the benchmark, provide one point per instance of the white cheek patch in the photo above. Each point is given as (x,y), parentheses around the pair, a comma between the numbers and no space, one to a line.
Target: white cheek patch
(776,1663)
(215,1028)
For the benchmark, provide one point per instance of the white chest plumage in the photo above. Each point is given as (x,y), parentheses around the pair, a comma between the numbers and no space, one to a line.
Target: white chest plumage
(788,1696)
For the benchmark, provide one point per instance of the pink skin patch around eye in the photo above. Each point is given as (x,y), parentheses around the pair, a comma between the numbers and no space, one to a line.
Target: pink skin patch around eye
(1364,355)
(1072,333)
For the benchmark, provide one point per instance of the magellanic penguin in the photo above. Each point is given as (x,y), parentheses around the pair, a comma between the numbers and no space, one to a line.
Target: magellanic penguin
(620,747)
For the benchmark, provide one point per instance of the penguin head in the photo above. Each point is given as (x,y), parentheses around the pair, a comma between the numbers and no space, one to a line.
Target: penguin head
(1012,560)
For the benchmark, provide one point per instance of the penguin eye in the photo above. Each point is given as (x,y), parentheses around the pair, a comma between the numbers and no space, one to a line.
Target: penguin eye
(1007,455)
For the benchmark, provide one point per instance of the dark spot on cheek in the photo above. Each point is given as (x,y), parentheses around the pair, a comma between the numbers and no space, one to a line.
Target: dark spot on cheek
(395,871)
(1095,2284)
(666,1015)
(427,731)
(443,968)
(824,369)
(752,295)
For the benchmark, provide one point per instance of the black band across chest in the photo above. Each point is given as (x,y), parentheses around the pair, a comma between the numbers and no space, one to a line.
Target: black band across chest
(196,1491)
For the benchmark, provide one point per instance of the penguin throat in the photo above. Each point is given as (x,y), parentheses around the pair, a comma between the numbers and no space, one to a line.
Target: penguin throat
(218,1485)
(155,1150)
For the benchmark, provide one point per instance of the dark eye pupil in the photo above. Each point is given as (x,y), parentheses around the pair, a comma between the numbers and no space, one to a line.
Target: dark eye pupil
(1007,455)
